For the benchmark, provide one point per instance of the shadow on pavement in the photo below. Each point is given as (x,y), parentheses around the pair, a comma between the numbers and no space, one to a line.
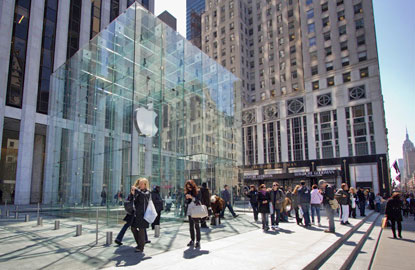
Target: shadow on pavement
(127,257)
(192,253)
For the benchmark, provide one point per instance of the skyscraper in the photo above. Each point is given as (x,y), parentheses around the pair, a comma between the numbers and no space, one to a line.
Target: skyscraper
(36,37)
(313,105)
(194,10)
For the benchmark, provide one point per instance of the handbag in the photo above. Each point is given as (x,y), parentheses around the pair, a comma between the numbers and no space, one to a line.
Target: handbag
(197,211)
(300,213)
(150,213)
(129,206)
(384,222)
(334,204)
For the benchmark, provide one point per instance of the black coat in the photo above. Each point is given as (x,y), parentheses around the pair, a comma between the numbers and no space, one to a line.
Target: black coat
(205,196)
(394,209)
(141,202)
(253,197)
(328,194)
(157,200)
(263,207)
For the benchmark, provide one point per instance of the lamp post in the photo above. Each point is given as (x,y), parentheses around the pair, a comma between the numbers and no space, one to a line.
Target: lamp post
(345,171)
(383,178)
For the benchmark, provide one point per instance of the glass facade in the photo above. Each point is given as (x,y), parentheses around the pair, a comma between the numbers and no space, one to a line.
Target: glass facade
(140,101)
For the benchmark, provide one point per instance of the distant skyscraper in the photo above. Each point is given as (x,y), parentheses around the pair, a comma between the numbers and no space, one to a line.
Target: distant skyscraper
(408,151)
(168,19)
(194,9)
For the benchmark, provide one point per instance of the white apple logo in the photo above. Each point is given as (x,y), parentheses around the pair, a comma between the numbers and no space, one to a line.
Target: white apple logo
(145,120)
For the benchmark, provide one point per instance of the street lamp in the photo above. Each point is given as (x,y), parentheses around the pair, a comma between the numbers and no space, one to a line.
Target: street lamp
(383,178)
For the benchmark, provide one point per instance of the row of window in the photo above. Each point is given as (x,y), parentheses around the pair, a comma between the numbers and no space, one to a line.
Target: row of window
(364,72)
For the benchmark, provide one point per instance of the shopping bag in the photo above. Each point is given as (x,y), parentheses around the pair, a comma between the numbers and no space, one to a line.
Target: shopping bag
(150,214)
(384,222)
(300,213)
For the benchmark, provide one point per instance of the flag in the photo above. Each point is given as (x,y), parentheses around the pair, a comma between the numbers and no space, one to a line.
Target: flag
(396,167)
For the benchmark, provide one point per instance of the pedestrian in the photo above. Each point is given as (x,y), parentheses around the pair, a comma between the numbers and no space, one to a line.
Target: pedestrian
(263,206)
(192,195)
(316,200)
(371,198)
(304,199)
(394,213)
(286,208)
(352,206)
(120,197)
(378,201)
(1,195)
(277,197)
(217,204)
(158,204)
(103,197)
(361,200)
(128,217)
(226,196)
(139,225)
(295,205)
(343,197)
(412,204)
(328,195)
(205,199)
(252,194)
(289,195)
(169,202)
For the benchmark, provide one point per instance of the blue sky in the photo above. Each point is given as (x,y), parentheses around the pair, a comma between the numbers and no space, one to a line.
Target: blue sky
(395,33)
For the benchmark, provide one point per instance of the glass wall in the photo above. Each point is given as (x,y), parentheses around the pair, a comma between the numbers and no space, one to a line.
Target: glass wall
(140,101)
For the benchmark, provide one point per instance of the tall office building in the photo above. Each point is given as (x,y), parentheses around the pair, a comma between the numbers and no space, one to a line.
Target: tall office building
(168,19)
(408,168)
(194,10)
(36,37)
(313,106)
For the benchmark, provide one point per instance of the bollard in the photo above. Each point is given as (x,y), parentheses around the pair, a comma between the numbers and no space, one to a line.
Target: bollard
(156,231)
(109,239)
(96,233)
(27,218)
(216,221)
(78,230)
(57,224)
(7,213)
(39,221)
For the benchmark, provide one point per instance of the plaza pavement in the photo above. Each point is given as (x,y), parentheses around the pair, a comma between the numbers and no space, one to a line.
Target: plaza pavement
(237,244)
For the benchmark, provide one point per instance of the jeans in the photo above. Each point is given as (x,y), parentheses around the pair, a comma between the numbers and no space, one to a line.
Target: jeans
(393,227)
(228,204)
(362,206)
(120,235)
(315,208)
(275,216)
(264,217)
(255,209)
(352,212)
(330,216)
(194,226)
(306,213)
(139,236)
(344,213)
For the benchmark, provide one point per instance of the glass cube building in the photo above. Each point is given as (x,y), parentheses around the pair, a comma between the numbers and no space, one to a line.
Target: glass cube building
(139,100)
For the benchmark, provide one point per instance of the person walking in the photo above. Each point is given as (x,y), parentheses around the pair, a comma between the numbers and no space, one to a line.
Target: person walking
(205,199)
(328,195)
(139,225)
(343,197)
(361,200)
(394,213)
(304,199)
(352,205)
(263,206)
(226,196)
(252,194)
(158,204)
(295,205)
(277,198)
(316,200)
(103,197)
(192,195)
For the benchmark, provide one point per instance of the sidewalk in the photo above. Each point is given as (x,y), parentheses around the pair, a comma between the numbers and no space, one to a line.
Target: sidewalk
(396,253)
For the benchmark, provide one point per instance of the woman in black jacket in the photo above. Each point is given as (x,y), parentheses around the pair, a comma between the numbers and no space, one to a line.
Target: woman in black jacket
(394,213)
(295,205)
(139,224)
(158,204)
(252,194)
(263,205)
(192,195)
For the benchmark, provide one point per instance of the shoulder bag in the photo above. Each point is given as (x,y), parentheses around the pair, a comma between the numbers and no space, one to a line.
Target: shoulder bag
(197,211)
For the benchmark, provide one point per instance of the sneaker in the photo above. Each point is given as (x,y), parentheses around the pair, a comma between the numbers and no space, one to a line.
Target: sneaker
(276,227)
(191,243)
(148,242)
(400,236)
(347,223)
(235,216)
(137,249)
(118,242)
(197,244)
(342,223)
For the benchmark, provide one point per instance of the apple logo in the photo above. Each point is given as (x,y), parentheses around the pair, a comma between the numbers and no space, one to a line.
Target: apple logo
(145,120)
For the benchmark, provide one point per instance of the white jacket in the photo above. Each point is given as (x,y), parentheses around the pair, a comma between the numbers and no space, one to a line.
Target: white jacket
(316,197)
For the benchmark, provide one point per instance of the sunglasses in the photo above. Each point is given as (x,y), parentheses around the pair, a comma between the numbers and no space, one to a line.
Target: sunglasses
(275,185)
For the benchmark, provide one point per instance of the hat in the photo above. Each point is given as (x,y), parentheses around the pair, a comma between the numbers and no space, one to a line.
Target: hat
(204,185)
(321,182)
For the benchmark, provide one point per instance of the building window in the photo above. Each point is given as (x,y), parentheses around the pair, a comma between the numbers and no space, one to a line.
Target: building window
(358,8)
(295,106)
(314,70)
(345,61)
(342,30)
(340,15)
(310,13)
(311,28)
(329,66)
(297,139)
(295,86)
(343,45)
(330,81)
(328,51)
(326,36)
(315,85)
(364,72)
(359,24)
(294,74)
(290,13)
(324,100)
(324,7)
(292,49)
(312,41)
(74,27)
(357,92)
(308,2)
(340,2)
(95,18)
(326,21)
(362,56)
(361,40)
(346,77)
(114,9)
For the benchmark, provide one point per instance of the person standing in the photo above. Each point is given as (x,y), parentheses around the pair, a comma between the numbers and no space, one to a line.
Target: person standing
(328,195)
(277,198)
(412,204)
(343,197)
(192,195)
(371,198)
(353,198)
(103,197)
(304,199)
(394,213)
(295,205)
(226,196)
(316,200)
(361,200)
(205,195)
(263,206)
(139,225)
(158,204)
(378,201)
(252,194)
(289,195)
